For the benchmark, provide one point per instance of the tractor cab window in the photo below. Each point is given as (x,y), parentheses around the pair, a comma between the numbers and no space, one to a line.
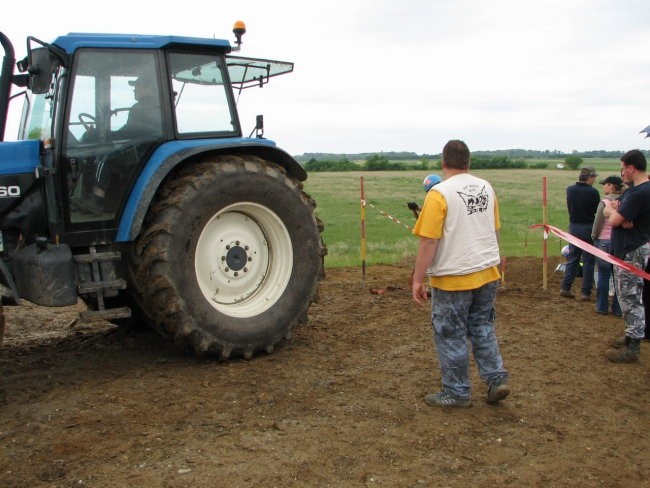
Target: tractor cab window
(37,117)
(202,101)
(114,121)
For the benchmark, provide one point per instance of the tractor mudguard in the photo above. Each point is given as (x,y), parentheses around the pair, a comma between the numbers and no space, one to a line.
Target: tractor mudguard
(170,154)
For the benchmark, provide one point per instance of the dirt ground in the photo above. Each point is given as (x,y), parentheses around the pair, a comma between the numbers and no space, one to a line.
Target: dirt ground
(341,405)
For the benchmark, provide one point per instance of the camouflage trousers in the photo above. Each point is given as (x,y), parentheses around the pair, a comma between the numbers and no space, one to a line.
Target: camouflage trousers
(629,288)
(461,318)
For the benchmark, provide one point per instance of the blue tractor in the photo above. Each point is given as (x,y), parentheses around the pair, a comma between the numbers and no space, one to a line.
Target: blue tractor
(131,186)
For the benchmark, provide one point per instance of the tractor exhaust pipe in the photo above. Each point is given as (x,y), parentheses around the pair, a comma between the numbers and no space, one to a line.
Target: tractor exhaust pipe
(5,81)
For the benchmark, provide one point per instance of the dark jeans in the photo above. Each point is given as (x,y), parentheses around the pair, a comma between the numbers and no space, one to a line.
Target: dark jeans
(582,232)
(602,288)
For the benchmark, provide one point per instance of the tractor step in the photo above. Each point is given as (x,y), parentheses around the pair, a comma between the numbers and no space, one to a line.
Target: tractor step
(97,276)
(106,314)
(95,286)
(97,257)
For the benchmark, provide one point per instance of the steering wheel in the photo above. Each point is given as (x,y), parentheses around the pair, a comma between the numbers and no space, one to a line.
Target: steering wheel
(88,121)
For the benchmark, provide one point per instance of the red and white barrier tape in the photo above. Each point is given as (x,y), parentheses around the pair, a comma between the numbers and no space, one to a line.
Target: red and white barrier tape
(592,250)
(364,203)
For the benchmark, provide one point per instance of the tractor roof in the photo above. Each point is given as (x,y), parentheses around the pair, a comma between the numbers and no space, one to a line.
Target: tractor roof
(75,40)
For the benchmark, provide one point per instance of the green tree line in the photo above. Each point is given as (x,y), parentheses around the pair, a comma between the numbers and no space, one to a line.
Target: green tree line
(382,163)
(510,153)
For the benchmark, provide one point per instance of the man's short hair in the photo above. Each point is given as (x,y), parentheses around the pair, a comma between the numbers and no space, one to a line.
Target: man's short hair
(456,155)
(635,158)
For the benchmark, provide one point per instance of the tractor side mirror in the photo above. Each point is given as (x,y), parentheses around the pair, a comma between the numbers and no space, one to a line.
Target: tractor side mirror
(39,67)
(259,125)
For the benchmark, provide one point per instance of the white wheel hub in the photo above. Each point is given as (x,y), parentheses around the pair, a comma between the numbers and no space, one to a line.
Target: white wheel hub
(244,259)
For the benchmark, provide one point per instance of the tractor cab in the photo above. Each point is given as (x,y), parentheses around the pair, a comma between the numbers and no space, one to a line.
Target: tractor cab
(102,105)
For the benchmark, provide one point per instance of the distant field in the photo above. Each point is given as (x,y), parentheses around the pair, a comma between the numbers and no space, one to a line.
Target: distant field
(519,193)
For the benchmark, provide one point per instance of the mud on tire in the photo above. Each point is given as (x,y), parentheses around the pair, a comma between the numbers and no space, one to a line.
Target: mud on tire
(229,257)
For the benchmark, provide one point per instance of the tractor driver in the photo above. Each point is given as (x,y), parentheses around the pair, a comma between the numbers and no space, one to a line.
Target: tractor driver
(144,122)
(144,119)
(144,116)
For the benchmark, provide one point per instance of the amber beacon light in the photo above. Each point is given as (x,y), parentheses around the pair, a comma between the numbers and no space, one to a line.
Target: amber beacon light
(239,29)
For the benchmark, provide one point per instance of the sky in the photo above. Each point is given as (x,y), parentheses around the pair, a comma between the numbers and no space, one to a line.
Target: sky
(381,75)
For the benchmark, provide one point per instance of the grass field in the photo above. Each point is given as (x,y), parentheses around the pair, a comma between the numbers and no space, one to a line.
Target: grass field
(520,198)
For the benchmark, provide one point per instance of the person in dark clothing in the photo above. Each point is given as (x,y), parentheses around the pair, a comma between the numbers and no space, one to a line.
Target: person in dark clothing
(582,202)
(144,122)
(646,298)
(630,219)
(144,119)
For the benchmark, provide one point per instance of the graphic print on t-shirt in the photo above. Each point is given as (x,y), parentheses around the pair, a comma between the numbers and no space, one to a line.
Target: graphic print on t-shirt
(474,201)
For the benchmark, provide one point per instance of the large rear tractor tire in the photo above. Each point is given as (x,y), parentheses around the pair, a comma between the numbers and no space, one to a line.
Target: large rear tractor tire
(229,257)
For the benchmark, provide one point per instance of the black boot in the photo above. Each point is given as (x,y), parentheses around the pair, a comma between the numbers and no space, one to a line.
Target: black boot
(629,353)
(619,342)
